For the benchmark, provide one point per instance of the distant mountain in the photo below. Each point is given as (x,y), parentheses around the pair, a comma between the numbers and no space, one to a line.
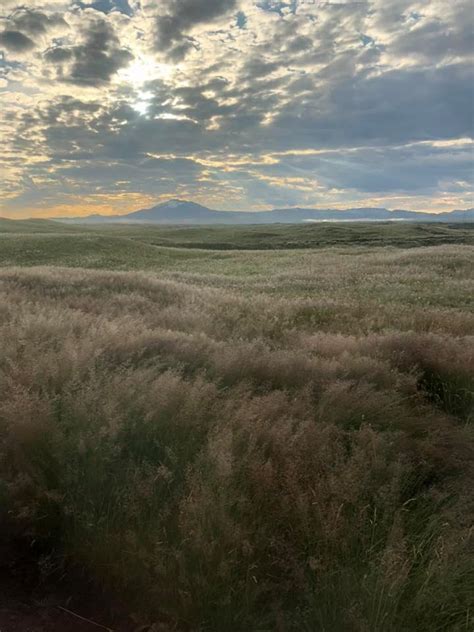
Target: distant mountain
(184,212)
(169,212)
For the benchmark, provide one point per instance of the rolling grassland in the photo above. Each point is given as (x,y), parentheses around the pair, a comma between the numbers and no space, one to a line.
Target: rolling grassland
(245,437)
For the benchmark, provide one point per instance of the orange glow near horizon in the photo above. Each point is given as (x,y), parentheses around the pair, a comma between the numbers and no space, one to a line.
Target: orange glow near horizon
(110,205)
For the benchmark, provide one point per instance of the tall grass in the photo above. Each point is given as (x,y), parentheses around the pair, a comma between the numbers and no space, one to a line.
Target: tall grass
(228,457)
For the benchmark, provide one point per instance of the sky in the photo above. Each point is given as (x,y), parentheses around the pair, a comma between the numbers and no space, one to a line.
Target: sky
(109,106)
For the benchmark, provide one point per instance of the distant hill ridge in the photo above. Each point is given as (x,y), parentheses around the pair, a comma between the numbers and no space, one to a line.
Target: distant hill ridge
(177,211)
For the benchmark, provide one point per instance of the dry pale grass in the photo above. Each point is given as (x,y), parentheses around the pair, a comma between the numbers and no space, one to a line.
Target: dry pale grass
(227,456)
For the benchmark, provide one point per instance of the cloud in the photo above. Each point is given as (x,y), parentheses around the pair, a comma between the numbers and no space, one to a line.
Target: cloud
(44,5)
(16,41)
(237,103)
(417,168)
(179,17)
(394,107)
(25,28)
(35,22)
(95,60)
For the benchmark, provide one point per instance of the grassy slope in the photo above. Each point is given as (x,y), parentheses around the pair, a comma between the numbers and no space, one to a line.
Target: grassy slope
(270,237)
(209,249)
(245,440)
(316,235)
(32,226)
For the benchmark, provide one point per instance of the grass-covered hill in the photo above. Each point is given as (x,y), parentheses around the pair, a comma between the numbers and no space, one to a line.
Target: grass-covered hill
(118,247)
(267,237)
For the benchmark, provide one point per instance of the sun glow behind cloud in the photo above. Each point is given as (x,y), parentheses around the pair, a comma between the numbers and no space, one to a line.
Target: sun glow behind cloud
(138,73)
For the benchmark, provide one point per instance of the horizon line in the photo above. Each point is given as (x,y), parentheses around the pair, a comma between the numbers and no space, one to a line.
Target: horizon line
(252,211)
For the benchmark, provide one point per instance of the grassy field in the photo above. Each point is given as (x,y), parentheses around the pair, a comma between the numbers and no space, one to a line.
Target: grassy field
(259,429)
(270,237)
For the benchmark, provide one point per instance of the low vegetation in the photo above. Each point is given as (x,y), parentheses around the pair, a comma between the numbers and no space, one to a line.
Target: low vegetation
(261,441)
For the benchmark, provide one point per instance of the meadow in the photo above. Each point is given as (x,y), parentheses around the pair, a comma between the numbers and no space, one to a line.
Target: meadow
(266,428)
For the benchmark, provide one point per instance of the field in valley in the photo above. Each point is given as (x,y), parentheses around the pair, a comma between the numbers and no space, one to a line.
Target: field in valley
(265,428)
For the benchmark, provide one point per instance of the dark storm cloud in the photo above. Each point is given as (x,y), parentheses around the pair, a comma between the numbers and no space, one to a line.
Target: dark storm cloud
(95,60)
(180,16)
(16,41)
